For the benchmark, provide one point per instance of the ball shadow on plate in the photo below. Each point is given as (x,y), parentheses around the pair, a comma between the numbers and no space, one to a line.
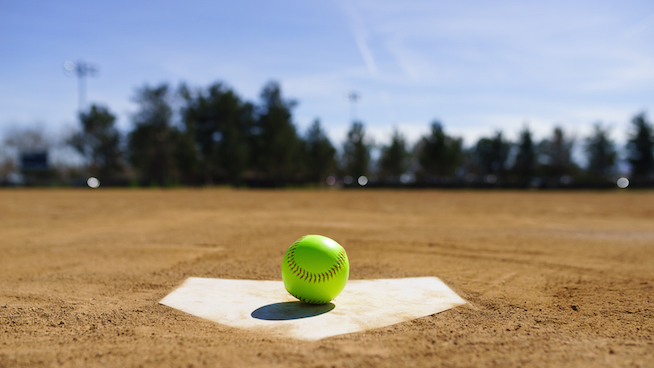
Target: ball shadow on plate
(290,310)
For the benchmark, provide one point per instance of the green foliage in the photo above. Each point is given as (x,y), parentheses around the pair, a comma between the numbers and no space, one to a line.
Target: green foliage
(524,167)
(356,151)
(277,147)
(217,137)
(394,160)
(491,155)
(220,124)
(601,154)
(439,154)
(99,143)
(555,155)
(640,148)
(185,156)
(319,154)
(152,142)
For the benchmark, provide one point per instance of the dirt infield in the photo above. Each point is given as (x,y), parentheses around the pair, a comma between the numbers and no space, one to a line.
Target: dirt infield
(551,279)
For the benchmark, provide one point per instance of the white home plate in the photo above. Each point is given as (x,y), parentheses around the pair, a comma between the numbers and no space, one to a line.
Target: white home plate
(265,306)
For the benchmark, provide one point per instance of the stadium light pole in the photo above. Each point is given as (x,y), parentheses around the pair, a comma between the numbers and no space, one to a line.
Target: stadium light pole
(81,70)
(354,98)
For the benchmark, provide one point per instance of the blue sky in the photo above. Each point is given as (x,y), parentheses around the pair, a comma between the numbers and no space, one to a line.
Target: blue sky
(477,66)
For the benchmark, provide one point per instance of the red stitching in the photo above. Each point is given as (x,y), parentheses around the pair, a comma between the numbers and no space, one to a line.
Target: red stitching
(305,275)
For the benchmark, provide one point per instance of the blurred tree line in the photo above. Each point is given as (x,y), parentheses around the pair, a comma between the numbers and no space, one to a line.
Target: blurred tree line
(195,136)
(211,136)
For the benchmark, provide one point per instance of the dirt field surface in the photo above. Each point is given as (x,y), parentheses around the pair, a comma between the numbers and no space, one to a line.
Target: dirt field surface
(552,279)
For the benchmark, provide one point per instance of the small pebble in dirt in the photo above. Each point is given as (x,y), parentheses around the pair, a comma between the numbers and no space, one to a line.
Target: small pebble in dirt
(574,307)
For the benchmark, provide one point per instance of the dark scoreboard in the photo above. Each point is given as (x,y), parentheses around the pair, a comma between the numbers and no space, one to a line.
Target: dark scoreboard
(34,161)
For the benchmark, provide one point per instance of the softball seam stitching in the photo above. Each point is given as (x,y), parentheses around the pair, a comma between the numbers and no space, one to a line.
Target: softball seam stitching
(309,301)
(309,276)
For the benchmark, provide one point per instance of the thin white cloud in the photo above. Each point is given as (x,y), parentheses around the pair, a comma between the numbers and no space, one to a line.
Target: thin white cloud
(510,43)
(361,36)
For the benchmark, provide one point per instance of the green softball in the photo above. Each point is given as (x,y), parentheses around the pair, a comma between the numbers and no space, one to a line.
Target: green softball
(315,269)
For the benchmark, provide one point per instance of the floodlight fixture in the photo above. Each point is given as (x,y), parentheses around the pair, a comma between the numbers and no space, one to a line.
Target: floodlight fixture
(82,70)
(354,97)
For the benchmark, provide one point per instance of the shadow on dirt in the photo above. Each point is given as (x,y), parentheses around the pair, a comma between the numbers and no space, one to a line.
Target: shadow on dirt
(290,310)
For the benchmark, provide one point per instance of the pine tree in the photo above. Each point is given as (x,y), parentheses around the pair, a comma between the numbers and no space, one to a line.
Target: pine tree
(525,160)
(356,151)
(640,147)
(556,158)
(99,143)
(221,129)
(601,154)
(394,159)
(151,143)
(277,152)
(439,154)
(491,155)
(319,154)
